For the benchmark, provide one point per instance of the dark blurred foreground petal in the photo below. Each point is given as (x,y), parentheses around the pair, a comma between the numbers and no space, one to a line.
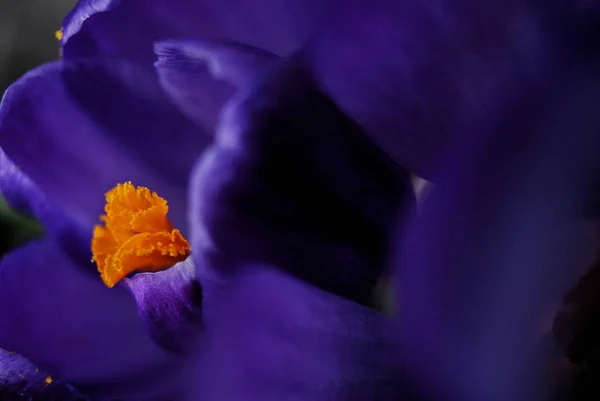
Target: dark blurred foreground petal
(61,317)
(275,338)
(20,380)
(186,70)
(501,237)
(89,125)
(128,28)
(291,182)
(170,304)
(413,73)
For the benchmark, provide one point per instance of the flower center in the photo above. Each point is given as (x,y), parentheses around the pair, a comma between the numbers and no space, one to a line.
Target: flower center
(136,235)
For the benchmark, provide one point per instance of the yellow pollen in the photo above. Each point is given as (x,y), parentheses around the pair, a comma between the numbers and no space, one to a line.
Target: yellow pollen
(48,380)
(136,235)
(59,34)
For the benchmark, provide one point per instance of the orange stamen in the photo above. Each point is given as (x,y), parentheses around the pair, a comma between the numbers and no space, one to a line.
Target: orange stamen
(136,235)
(59,34)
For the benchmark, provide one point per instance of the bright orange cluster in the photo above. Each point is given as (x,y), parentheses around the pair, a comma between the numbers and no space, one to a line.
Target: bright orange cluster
(136,235)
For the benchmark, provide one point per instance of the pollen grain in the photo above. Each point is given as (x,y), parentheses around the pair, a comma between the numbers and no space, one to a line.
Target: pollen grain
(136,235)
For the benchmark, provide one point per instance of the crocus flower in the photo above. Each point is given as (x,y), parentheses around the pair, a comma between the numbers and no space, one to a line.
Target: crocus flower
(291,203)
(72,130)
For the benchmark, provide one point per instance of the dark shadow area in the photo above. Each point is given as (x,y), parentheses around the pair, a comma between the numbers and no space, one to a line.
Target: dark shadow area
(27,38)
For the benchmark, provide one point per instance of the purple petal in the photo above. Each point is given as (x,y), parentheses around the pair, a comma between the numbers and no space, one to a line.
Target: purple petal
(293,183)
(186,69)
(77,129)
(170,304)
(127,29)
(233,62)
(22,380)
(185,80)
(500,239)
(412,73)
(81,12)
(25,197)
(61,317)
(275,338)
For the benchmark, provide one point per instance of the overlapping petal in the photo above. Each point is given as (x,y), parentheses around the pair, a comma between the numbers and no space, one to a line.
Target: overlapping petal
(25,197)
(184,67)
(79,128)
(234,62)
(291,182)
(501,238)
(273,337)
(415,74)
(128,28)
(170,304)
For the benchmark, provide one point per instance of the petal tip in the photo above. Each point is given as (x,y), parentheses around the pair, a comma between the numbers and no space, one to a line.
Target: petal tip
(231,61)
(170,304)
